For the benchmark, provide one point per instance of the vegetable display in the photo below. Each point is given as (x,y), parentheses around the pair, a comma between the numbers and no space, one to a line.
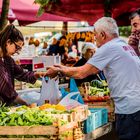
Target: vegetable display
(26,116)
(97,91)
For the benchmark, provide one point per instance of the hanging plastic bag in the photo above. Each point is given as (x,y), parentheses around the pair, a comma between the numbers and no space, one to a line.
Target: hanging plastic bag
(70,101)
(49,91)
(54,91)
(74,88)
(63,92)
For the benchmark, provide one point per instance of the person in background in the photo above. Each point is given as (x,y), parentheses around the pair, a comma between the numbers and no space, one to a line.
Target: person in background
(75,41)
(53,47)
(121,67)
(70,44)
(26,41)
(43,50)
(31,40)
(73,53)
(88,49)
(62,50)
(11,42)
(83,36)
(134,38)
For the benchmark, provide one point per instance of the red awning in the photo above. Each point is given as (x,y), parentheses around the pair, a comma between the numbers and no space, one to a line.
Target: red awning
(91,10)
(25,12)
(122,9)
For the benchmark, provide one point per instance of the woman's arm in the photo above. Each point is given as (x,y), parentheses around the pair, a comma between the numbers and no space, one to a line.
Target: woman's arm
(7,92)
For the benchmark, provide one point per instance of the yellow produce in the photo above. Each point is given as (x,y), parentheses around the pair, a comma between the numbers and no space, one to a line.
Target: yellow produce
(45,106)
(57,107)
(60,107)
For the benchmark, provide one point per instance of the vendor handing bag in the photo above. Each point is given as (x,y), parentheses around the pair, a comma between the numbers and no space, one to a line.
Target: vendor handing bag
(49,91)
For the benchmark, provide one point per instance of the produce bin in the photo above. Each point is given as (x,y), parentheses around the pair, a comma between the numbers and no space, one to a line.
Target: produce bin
(97,118)
(50,132)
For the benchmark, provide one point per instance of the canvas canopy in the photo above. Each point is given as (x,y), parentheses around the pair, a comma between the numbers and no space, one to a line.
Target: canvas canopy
(25,11)
(91,10)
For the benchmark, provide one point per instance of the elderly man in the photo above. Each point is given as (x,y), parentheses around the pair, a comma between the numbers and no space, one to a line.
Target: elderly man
(135,35)
(121,67)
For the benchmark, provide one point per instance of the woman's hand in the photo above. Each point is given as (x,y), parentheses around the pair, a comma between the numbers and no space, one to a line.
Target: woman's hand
(19,100)
(39,74)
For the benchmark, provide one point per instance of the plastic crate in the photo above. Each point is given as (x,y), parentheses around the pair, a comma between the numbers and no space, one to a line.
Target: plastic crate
(104,115)
(98,120)
(92,122)
(98,117)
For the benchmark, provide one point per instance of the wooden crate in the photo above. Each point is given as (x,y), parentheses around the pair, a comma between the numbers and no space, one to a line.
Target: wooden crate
(78,132)
(65,117)
(80,113)
(99,132)
(55,131)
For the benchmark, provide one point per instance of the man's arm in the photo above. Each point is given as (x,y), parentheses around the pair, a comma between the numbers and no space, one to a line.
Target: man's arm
(75,72)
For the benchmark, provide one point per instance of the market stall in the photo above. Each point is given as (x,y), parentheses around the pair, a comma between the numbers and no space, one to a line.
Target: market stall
(92,120)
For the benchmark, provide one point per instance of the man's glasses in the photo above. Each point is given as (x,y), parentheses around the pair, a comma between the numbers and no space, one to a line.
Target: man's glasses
(18,48)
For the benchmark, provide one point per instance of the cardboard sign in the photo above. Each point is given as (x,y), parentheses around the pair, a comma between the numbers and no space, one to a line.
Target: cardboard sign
(38,66)
(42,62)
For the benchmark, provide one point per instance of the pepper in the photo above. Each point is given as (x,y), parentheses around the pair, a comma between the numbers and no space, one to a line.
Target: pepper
(20,121)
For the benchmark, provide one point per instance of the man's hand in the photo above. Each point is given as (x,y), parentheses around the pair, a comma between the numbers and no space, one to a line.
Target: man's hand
(52,71)
(55,70)
(133,40)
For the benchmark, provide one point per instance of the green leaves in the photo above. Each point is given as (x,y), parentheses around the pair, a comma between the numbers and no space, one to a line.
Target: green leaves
(40,11)
(25,116)
(42,2)
(99,88)
(45,4)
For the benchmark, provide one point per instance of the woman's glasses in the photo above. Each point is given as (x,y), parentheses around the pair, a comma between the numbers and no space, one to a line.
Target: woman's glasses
(18,48)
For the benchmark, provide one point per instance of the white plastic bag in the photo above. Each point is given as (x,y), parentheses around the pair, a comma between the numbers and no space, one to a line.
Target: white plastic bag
(49,91)
(30,97)
(69,102)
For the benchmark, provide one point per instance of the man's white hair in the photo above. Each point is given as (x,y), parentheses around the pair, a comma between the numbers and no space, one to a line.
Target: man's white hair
(108,25)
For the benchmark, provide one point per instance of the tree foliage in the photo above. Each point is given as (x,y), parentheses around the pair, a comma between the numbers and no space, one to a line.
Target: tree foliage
(4,14)
(125,31)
